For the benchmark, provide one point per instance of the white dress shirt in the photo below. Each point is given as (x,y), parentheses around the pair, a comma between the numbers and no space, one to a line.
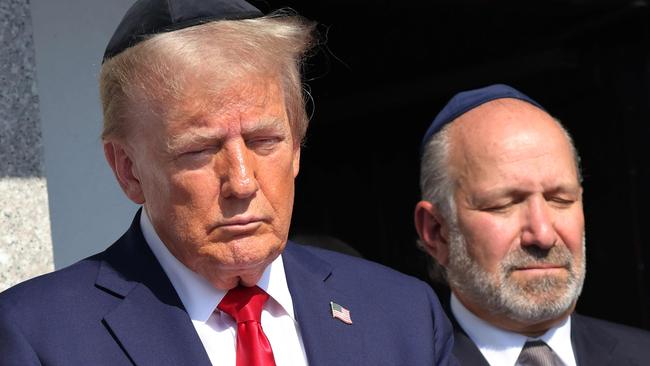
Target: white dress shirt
(501,347)
(217,330)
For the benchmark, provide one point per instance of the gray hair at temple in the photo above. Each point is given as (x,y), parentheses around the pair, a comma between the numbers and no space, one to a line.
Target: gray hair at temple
(157,69)
(438,185)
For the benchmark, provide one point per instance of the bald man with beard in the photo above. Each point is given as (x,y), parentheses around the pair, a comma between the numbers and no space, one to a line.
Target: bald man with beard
(502,220)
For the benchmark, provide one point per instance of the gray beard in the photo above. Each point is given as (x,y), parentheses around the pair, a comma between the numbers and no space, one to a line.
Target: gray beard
(534,301)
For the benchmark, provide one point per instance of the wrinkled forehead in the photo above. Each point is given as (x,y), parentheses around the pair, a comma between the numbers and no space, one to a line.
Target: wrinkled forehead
(248,100)
(505,126)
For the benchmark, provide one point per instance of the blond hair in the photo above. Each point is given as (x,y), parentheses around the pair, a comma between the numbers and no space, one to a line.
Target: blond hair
(157,70)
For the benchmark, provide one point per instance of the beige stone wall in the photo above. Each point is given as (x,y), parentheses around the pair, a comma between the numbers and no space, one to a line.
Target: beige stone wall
(25,244)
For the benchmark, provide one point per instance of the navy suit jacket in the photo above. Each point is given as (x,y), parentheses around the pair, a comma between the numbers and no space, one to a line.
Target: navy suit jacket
(595,343)
(119,308)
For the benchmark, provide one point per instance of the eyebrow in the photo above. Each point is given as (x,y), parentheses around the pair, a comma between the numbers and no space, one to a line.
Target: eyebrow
(201,136)
(191,138)
(497,193)
(264,124)
(565,188)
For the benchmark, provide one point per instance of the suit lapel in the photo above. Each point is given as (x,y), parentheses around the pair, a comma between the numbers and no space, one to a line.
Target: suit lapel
(591,346)
(465,349)
(149,322)
(327,340)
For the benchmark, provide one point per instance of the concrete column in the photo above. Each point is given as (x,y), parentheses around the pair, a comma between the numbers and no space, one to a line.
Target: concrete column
(25,240)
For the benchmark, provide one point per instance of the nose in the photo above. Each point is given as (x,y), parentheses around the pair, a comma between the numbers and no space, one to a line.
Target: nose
(237,172)
(539,227)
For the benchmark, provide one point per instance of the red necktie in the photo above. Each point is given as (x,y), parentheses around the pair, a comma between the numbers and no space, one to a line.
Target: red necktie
(245,304)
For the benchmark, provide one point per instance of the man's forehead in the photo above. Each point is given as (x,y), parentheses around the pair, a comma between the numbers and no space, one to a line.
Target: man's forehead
(205,130)
(503,132)
(497,123)
(197,103)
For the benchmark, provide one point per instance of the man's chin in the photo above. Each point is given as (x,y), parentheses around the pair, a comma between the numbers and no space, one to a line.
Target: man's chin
(538,300)
(243,264)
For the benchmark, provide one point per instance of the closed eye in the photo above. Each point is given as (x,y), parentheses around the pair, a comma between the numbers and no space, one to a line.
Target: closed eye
(504,205)
(197,156)
(264,144)
(201,150)
(561,201)
(498,208)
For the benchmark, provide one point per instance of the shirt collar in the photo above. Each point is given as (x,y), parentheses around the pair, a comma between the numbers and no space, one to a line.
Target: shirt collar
(501,347)
(559,339)
(198,295)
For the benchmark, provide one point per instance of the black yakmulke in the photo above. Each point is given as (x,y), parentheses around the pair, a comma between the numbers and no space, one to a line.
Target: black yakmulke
(149,17)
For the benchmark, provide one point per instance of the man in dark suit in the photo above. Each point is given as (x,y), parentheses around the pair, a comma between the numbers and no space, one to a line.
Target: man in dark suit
(502,221)
(203,121)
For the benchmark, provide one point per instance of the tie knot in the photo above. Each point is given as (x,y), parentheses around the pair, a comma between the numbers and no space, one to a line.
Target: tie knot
(538,353)
(535,344)
(244,303)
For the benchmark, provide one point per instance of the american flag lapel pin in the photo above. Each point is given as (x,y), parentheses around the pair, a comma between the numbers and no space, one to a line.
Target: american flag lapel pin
(340,313)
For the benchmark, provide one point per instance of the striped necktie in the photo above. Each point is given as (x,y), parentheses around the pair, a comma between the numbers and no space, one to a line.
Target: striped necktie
(538,353)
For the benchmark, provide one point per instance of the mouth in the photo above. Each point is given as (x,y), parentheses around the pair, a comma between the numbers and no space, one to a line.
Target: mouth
(542,268)
(240,225)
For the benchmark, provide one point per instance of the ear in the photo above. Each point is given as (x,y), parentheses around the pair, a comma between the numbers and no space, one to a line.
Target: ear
(122,164)
(433,231)
(296,161)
